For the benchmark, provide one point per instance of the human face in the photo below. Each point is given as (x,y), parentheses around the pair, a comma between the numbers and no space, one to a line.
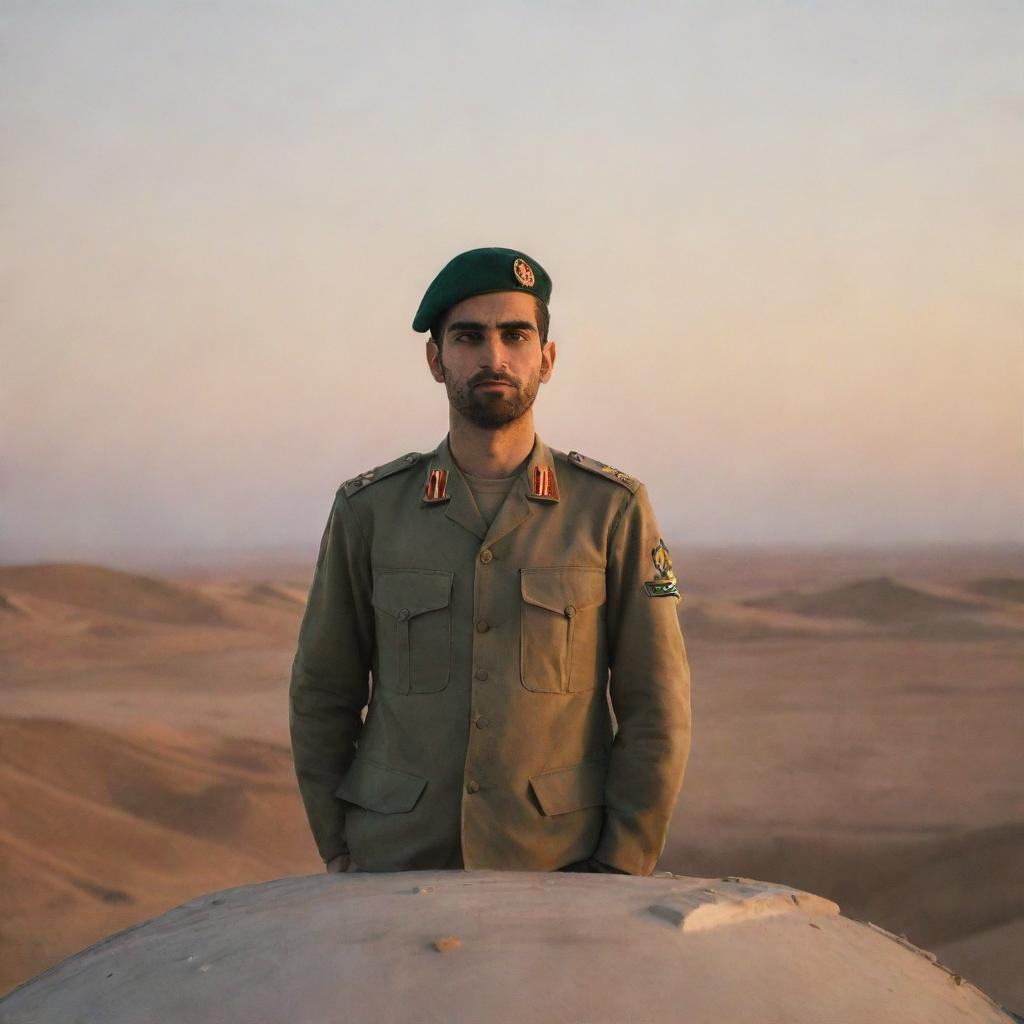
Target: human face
(491,360)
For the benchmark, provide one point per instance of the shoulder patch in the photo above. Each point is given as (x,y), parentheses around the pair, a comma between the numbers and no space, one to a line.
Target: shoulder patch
(603,469)
(371,476)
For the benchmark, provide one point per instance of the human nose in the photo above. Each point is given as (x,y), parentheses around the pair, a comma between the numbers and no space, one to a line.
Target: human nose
(493,353)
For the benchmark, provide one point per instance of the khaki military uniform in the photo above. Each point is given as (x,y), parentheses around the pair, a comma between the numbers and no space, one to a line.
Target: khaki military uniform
(488,740)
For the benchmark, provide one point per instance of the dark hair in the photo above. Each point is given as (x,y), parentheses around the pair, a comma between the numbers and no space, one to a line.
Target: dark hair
(542,314)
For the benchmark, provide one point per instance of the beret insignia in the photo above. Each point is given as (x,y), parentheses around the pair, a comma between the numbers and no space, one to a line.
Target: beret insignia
(524,273)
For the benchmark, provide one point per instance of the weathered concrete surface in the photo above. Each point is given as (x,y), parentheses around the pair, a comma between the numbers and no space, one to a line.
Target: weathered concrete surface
(501,947)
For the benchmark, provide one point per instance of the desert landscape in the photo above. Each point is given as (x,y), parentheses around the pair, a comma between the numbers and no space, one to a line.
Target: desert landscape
(783,245)
(857,723)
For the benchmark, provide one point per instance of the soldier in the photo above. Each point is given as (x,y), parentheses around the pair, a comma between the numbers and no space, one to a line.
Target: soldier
(498,592)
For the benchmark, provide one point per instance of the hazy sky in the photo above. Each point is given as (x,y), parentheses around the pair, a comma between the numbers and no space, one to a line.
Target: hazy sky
(786,239)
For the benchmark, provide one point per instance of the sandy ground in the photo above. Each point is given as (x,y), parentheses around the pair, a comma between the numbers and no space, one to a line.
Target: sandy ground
(857,724)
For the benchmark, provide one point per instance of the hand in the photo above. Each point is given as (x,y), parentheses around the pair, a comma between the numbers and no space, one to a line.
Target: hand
(336,865)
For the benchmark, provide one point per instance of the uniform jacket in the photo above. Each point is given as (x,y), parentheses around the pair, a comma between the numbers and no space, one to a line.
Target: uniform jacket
(493,654)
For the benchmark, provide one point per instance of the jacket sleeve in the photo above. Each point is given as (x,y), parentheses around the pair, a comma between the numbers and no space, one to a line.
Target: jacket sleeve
(650,695)
(330,673)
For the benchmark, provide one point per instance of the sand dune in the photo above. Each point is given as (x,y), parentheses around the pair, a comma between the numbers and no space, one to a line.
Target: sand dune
(965,627)
(274,593)
(711,619)
(928,611)
(975,955)
(937,888)
(1003,588)
(948,887)
(11,606)
(101,829)
(837,747)
(961,893)
(109,602)
(112,592)
(880,600)
(746,570)
(65,616)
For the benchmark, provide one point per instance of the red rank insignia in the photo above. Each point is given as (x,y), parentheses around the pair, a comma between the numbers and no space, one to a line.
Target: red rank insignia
(544,483)
(437,486)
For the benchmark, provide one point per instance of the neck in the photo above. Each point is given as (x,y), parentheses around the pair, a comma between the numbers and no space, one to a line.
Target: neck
(490,453)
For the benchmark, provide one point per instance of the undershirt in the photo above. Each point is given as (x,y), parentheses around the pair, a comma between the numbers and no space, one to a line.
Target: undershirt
(489,493)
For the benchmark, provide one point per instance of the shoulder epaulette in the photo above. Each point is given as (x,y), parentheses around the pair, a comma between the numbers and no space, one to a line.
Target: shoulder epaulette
(371,476)
(603,469)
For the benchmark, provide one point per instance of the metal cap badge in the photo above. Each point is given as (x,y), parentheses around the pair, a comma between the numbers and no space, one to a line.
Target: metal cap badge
(524,273)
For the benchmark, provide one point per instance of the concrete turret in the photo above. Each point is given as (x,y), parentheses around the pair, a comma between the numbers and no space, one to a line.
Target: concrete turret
(502,948)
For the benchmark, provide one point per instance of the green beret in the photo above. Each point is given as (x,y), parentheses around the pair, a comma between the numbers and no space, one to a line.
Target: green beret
(477,272)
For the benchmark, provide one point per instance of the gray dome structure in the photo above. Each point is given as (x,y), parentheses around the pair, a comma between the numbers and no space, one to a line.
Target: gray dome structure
(491,947)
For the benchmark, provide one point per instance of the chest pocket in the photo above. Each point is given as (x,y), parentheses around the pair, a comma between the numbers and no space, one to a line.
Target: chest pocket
(562,644)
(414,629)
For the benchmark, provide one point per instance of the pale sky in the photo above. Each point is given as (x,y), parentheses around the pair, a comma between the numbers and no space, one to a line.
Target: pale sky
(786,239)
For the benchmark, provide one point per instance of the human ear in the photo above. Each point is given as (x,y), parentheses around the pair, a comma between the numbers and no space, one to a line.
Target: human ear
(547,360)
(434,361)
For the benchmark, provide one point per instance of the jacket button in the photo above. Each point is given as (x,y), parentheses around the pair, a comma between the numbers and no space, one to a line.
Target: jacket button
(486,555)
(482,722)
(472,786)
(404,614)
(481,674)
(482,626)
(570,611)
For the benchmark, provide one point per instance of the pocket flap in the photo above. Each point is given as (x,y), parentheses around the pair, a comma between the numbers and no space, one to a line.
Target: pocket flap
(381,789)
(557,588)
(570,789)
(404,593)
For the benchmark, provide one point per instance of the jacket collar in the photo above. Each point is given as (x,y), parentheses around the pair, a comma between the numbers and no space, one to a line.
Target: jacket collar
(535,487)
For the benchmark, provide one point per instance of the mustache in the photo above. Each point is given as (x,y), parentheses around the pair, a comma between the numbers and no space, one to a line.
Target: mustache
(479,378)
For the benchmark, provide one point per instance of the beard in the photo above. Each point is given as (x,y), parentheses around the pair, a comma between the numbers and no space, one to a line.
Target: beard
(492,409)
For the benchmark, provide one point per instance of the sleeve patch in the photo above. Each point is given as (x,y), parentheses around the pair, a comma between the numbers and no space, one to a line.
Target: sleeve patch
(664,583)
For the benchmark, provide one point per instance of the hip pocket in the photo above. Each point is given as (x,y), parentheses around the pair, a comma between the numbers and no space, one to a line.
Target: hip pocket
(376,787)
(562,635)
(414,629)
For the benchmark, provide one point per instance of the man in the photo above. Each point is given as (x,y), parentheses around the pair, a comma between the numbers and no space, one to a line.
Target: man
(498,592)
